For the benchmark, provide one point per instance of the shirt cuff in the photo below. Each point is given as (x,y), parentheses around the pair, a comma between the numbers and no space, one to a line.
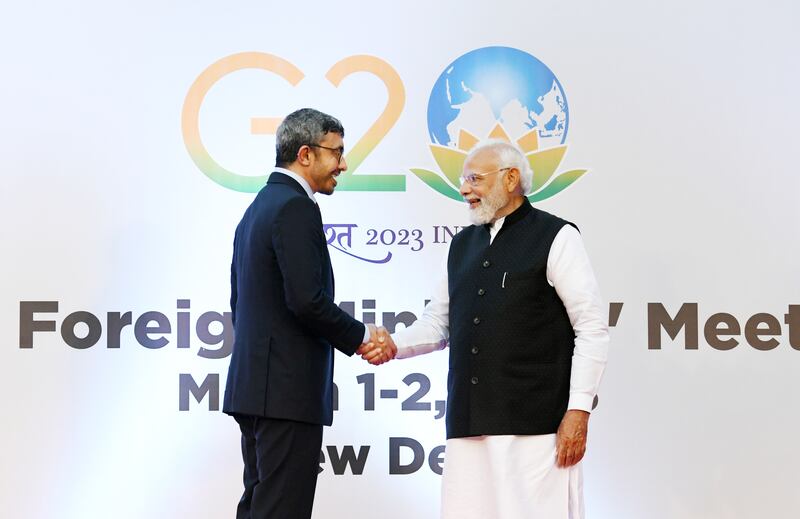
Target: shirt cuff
(581,401)
(366,335)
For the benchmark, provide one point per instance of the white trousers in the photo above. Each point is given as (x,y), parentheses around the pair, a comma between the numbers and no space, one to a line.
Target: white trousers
(509,477)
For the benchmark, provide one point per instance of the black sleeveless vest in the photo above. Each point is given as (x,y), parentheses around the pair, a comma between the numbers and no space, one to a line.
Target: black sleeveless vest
(511,340)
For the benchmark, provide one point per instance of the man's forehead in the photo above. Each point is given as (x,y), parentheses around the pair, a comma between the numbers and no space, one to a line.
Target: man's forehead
(332,138)
(482,158)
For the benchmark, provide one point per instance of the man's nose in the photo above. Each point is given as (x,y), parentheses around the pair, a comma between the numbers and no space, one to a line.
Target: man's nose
(465,188)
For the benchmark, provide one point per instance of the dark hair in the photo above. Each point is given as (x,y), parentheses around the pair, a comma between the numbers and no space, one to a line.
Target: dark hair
(304,126)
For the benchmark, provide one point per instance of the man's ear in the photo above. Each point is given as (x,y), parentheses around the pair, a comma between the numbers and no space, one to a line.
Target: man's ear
(512,180)
(304,155)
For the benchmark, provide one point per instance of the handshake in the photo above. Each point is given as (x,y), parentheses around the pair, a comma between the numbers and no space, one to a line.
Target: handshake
(380,348)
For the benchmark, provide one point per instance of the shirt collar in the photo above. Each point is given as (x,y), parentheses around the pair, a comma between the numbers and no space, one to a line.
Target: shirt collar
(300,180)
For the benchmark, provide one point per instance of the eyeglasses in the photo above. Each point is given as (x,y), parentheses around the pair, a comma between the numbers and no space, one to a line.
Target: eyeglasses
(474,179)
(337,152)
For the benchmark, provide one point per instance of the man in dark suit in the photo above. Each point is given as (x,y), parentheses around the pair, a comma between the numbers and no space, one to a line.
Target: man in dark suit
(280,380)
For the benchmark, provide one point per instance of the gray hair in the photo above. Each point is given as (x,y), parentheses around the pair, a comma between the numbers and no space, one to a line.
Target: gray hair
(508,156)
(300,128)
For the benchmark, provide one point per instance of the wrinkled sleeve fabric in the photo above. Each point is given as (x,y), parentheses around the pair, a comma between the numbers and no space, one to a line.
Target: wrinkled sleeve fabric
(431,331)
(571,274)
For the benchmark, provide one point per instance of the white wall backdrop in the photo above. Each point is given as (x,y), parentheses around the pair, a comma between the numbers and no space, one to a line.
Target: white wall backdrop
(683,112)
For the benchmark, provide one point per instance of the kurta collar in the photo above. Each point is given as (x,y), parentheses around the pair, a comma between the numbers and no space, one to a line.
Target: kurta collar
(510,219)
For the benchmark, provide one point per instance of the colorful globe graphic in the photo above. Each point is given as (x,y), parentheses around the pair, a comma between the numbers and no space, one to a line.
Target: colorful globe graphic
(494,85)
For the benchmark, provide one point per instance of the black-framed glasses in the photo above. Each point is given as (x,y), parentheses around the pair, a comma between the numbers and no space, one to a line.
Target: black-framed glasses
(474,179)
(337,152)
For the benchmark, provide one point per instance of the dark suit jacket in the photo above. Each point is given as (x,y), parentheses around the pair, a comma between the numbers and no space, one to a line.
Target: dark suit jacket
(285,321)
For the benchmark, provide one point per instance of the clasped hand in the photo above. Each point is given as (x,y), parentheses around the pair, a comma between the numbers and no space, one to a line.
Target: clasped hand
(380,348)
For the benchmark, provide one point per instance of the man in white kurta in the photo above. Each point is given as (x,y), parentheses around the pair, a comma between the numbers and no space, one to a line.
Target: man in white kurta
(510,476)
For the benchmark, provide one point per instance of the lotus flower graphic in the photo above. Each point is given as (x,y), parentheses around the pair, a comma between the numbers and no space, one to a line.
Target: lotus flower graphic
(498,92)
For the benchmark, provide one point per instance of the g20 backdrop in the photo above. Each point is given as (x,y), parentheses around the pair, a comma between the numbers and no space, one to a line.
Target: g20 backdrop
(133,136)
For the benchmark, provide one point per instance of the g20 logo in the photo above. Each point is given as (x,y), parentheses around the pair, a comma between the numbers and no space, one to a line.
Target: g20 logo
(492,92)
(267,125)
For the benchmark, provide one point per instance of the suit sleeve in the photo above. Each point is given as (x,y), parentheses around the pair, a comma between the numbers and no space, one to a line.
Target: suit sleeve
(297,238)
(234,287)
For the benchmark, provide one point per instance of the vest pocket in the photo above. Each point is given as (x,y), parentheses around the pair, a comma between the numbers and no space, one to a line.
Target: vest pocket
(524,276)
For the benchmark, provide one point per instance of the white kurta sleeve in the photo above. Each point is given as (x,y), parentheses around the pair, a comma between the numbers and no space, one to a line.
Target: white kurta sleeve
(431,331)
(570,273)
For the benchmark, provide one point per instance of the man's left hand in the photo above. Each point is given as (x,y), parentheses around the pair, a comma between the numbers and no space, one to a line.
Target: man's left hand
(571,438)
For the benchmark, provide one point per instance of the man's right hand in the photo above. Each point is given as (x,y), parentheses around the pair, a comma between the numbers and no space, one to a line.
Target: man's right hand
(380,348)
(571,438)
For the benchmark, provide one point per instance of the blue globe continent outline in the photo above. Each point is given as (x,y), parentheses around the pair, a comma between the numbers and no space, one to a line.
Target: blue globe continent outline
(497,84)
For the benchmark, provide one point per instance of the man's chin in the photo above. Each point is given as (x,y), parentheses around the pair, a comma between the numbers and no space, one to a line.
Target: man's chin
(331,187)
(478,217)
(328,189)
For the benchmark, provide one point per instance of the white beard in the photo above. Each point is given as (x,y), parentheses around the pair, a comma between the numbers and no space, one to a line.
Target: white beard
(490,204)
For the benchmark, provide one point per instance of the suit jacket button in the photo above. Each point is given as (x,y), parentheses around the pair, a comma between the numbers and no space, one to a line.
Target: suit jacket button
(474,380)
(486,263)
(481,291)
(476,321)
(474,350)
